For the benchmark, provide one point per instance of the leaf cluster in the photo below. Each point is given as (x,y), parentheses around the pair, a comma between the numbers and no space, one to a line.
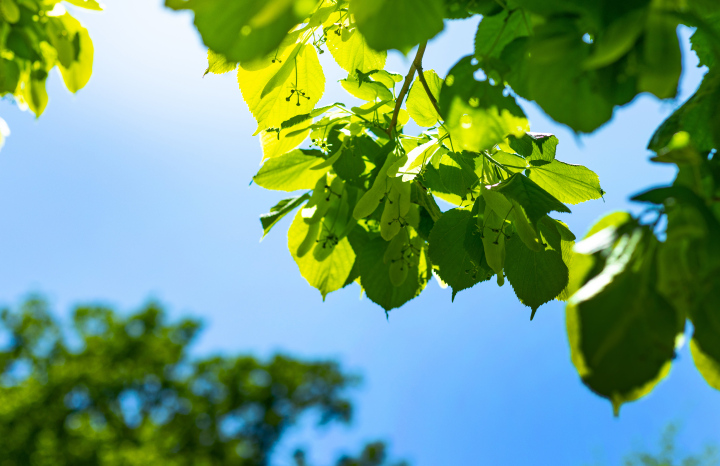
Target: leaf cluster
(35,37)
(371,212)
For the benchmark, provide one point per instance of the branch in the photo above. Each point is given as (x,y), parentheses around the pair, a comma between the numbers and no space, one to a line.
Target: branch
(406,86)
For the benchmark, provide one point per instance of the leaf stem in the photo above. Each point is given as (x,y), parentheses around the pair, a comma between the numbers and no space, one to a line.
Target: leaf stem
(344,109)
(406,87)
(498,164)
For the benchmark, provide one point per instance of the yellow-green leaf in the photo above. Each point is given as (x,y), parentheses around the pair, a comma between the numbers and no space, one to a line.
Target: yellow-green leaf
(289,172)
(419,105)
(77,75)
(297,85)
(329,274)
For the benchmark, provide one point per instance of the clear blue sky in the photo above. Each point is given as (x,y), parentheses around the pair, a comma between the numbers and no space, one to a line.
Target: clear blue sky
(137,188)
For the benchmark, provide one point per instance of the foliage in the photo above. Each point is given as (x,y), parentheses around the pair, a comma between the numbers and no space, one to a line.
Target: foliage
(374,454)
(123,390)
(370,212)
(668,454)
(35,37)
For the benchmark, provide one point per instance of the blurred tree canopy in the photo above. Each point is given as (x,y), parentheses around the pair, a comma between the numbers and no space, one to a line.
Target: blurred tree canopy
(122,390)
(668,455)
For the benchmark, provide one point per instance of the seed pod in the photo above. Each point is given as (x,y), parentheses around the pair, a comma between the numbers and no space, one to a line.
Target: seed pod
(371,199)
(494,242)
(398,273)
(394,249)
(524,229)
(310,239)
(323,248)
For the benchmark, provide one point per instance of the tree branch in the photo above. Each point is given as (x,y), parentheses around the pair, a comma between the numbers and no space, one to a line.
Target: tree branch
(406,86)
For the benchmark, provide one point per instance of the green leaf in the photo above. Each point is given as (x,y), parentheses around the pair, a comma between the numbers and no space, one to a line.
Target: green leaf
(327,275)
(279,88)
(10,11)
(535,200)
(580,265)
(35,93)
(350,49)
(375,274)
(370,91)
(535,146)
(218,64)
(661,63)
(88,4)
(477,114)
(280,210)
(708,366)
(511,162)
(705,39)
(455,180)
(290,172)
(398,24)
(279,141)
(421,197)
(9,76)
(548,68)
(456,250)
(497,31)
(244,30)
(705,344)
(617,39)
(419,157)
(698,117)
(493,239)
(536,276)
(77,75)
(571,184)
(418,103)
(622,331)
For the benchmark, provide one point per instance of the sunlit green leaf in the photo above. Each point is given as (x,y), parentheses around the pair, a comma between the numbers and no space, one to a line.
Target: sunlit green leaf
(418,103)
(290,172)
(329,274)
(89,4)
(280,210)
(568,183)
(370,91)
(350,50)
(279,88)
(477,114)
(218,64)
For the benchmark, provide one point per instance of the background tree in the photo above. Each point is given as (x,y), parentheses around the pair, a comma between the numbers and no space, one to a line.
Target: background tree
(668,455)
(118,390)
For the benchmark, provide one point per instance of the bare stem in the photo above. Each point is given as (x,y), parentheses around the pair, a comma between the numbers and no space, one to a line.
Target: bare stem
(406,86)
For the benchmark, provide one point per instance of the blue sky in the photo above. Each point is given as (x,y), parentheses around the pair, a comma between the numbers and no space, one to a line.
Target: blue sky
(137,188)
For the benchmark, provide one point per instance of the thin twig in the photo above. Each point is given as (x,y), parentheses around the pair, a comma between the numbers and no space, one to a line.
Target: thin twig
(406,87)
